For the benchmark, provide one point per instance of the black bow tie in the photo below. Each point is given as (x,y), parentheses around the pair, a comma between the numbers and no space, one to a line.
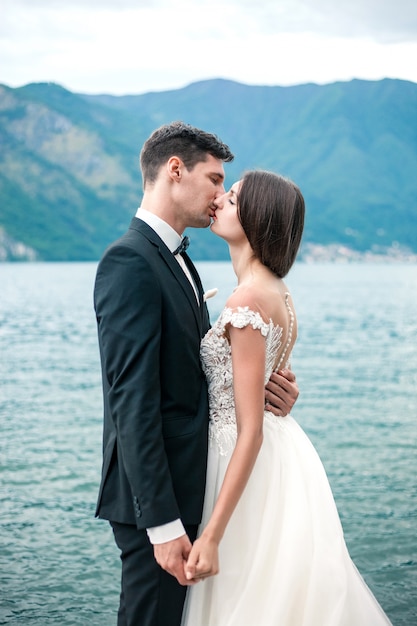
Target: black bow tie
(185,242)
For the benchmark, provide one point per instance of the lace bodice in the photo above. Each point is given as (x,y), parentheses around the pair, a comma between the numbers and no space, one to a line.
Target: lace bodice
(216,360)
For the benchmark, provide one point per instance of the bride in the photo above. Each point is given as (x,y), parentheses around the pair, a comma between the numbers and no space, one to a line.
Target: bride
(270,549)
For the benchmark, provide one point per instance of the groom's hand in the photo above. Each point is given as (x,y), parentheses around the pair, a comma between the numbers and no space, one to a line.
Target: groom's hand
(172,557)
(281,392)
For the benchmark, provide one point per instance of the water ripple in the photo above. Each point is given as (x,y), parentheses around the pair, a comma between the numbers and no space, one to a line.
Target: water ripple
(356,365)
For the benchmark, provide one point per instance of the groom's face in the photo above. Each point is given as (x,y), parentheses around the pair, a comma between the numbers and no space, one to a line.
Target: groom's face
(199,189)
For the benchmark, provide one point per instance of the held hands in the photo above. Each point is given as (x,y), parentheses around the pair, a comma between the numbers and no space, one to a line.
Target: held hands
(203,560)
(281,392)
(172,557)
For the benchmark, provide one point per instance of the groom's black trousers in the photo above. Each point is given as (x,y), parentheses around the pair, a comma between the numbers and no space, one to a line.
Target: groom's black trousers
(149,596)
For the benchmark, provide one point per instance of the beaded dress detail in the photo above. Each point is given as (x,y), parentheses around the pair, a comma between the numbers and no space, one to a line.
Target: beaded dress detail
(283,559)
(216,360)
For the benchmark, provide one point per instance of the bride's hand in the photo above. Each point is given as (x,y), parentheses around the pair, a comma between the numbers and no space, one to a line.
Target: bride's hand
(203,560)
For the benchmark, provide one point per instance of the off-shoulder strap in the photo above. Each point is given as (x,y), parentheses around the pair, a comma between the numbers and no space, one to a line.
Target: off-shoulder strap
(240,317)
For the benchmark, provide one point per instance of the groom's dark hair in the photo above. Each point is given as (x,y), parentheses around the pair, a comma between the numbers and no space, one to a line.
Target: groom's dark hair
(190,144)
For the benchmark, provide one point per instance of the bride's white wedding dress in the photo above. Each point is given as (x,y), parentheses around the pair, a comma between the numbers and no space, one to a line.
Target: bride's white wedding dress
(283,558)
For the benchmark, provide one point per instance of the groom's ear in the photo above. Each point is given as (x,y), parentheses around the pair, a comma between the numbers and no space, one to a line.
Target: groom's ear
(174,168)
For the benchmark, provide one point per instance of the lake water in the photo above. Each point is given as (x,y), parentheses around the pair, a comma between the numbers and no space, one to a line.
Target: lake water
(356,365)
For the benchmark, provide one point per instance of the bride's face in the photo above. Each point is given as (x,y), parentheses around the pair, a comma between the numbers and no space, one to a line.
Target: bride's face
(226,222)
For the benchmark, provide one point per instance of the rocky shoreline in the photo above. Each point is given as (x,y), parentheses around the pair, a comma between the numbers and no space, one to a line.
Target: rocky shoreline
(15,251)
(337,253)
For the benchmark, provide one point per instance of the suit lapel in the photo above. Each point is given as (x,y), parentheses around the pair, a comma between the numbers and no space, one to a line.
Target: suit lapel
(179,274)
(176,269)
(195,276)
(204,315)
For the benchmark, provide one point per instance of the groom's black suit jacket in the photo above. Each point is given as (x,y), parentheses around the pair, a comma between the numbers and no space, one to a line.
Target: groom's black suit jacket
(155,395)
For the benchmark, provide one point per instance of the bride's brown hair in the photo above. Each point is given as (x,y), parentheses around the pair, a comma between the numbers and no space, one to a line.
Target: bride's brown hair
(271,210)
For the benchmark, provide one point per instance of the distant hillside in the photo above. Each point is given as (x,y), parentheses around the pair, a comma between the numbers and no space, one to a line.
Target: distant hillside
(69,178)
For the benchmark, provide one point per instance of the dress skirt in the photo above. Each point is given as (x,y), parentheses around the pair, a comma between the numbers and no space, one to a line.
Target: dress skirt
(283,558)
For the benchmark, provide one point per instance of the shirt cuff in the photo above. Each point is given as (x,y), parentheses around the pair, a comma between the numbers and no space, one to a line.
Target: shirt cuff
(166,532)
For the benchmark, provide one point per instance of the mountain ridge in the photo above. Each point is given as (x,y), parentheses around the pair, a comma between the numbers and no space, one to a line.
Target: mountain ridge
(69,173)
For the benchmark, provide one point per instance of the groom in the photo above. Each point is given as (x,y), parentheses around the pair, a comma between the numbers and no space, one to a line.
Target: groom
(151,317)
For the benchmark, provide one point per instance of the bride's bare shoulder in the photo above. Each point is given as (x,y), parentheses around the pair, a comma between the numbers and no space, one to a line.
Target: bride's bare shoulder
(245,296)
(268,300)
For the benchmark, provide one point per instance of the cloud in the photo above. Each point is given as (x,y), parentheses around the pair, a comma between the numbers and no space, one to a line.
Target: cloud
(131,46)
(62,5)
(383,21)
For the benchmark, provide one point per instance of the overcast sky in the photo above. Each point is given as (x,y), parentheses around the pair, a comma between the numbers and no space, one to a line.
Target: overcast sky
(135,46)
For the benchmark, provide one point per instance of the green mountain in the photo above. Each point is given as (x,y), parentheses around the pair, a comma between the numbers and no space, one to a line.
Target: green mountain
(70,182)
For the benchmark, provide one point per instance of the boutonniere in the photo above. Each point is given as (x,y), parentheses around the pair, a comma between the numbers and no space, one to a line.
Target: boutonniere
(210,294)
